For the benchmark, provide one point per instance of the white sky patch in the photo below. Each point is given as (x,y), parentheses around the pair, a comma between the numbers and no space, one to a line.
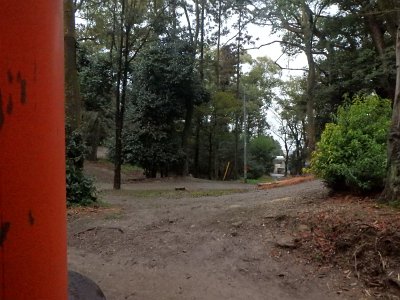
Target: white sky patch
(274,51)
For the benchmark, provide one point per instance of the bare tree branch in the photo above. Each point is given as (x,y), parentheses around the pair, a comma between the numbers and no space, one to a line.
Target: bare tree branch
(290,69)
(277,41)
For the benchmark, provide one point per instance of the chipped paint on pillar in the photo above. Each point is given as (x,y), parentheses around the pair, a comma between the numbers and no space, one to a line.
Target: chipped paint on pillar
(32,162)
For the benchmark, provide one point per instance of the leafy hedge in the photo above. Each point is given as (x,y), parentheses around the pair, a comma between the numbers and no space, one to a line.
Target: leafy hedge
(352,152)
(80,188)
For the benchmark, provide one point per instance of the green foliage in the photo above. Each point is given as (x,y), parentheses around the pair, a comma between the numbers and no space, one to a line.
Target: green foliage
(345,37)
(95,79)
(255,170)
(262,150)
(292,125)
(165,87)
(352,151)
(96,89)
(259,88)
(80,188)
(220,121)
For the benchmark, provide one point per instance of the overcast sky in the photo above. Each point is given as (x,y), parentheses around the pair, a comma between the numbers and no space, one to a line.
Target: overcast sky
(274,52)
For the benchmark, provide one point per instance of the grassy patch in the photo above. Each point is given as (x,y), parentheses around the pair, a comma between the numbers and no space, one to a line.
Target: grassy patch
(173,194)
(263,179)
(127,168)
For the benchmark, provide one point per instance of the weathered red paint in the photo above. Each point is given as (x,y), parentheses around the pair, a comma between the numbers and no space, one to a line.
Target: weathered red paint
(32,165)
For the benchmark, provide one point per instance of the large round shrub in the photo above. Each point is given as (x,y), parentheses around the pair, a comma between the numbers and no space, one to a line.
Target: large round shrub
(352,151)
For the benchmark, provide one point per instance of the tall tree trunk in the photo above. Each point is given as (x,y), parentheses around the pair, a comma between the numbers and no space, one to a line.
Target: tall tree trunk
(186,133)
(189,102)
(236,151)
(391,191)
(307,27)
(378,37)
(172,12)
(201,65)
(197,146)
(310,104)
(377,33)
(236,132)
(73,101)
(200,17)
(218,67)
(123,97)
(198,22)
(238,46)
(286,155)
(210,152)
(118,106)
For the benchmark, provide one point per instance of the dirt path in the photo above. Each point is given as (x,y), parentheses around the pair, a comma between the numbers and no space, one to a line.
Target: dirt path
(187,245)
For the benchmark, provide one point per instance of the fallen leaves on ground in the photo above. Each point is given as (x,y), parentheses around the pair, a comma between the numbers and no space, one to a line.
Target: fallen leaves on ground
(355,234)
(285,182)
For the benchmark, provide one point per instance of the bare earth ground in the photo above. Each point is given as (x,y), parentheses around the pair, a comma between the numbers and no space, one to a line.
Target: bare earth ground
(217,240)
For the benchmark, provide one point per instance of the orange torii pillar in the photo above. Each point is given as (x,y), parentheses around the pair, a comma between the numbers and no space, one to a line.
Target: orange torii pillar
(33,262)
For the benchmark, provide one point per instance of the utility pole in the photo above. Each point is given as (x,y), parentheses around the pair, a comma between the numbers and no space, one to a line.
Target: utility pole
(244,139)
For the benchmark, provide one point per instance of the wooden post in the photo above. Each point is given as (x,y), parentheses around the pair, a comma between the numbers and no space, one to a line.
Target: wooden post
(32,160)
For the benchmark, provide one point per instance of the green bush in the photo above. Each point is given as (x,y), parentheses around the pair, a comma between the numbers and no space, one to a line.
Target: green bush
(255,170)
(262,151)
(352,152)
(80,188)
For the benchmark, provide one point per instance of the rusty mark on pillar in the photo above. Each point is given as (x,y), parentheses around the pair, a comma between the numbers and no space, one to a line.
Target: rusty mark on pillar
(4,229)
(10,105)
(31,218)
(22,83)
(23,91)
(10,76)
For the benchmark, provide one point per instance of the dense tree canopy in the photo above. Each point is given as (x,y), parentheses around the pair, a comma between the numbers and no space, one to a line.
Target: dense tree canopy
(184,93)
(164,81)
